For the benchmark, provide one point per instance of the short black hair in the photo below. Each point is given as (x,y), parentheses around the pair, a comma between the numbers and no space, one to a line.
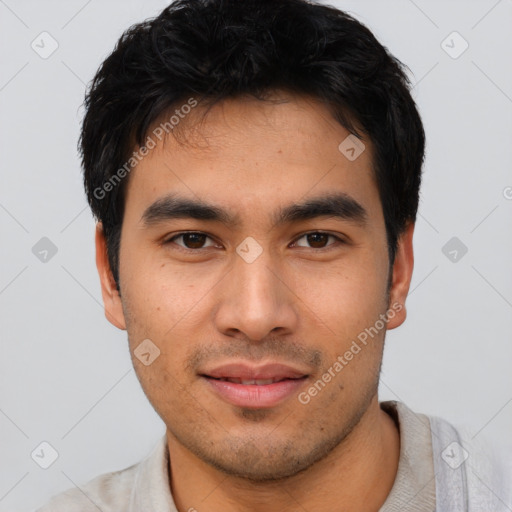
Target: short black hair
(210,50)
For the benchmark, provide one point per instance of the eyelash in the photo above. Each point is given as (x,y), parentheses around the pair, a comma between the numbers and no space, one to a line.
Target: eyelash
(338,240)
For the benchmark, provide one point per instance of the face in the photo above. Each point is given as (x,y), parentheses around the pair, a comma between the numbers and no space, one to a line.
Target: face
(254,258)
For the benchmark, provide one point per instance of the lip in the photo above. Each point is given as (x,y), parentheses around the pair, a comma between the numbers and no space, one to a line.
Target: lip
(255,396)
(248,372)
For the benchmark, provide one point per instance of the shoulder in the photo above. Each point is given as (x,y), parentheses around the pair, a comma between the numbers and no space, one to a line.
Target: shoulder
(469,469)
(139,485)
(107,492)
(488,472)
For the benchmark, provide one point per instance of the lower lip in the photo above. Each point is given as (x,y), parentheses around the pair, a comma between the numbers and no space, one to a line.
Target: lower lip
(251,395)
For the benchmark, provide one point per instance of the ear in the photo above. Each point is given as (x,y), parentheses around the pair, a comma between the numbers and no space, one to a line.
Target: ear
(402,274)
(111,298)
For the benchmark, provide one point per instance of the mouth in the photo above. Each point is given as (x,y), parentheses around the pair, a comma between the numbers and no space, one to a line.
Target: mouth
(251,382)
(254,387)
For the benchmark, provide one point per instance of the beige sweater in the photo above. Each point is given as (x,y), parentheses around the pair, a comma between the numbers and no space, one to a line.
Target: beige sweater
(433,475)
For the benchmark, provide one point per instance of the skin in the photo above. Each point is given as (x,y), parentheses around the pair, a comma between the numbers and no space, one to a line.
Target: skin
(299,302)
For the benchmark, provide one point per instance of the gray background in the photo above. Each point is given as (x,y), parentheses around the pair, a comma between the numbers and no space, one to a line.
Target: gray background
(65,373)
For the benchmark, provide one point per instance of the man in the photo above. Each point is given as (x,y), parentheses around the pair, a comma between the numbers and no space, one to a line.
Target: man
(255,167)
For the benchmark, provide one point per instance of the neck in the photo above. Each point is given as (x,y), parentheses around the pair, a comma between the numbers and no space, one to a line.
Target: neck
(358,474)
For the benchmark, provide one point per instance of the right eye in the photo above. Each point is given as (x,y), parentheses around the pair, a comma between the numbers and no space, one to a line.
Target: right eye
(190,240)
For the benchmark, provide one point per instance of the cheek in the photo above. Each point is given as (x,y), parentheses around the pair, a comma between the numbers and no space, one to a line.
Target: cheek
(351,293)
(158,296)
(166,308)
(164,386)
(344,307)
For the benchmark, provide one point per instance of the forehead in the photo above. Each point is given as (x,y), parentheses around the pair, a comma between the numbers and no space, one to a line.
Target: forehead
(252,155)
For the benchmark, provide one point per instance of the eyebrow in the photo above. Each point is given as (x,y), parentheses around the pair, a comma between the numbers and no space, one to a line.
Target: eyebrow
(339,205)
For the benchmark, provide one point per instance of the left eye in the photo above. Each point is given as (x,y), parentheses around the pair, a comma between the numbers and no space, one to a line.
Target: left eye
(317,240)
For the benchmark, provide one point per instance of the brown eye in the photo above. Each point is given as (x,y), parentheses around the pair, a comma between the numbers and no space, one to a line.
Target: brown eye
(194,240)
(317,240)
(190,240)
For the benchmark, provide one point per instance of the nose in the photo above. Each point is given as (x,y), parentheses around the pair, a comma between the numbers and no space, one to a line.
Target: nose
(255,300)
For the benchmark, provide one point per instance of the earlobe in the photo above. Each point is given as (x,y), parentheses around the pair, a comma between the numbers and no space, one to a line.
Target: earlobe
(111,298)
(401,280)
